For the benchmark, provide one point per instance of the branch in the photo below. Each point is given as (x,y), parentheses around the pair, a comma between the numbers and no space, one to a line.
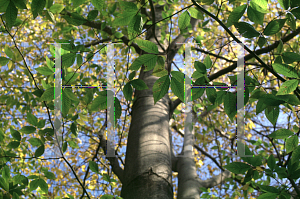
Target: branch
(173,47)
(250,51)
(153,27)
(180,132)
(112,160)
(296,188)
(93,43)
(215,180)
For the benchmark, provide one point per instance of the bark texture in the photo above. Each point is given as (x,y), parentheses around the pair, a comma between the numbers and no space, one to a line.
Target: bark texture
(148,168)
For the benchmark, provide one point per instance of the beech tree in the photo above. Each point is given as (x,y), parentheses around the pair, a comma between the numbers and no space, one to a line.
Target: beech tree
(179,130)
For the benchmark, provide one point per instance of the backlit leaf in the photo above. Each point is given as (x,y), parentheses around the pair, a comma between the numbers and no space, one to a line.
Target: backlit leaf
(160,88)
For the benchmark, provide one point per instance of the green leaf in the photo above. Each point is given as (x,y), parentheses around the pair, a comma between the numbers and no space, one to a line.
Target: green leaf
(3,61)
(290,57)
(135,26)
(49,175)
(291,143)
(211,94)
(124,19)
(43,185)
(285,4)
(272,113)
(118,109)
(274,27)
(267,196)
(71,77)
(148,60)
(66,104)
(13,144)
(40,151)
(236,14)
(147,46)
(74,128)
(160,88)
(35,141)
(11,14)
(288,87)
(4,184)
(246,30)
(20,4)
(31,119)
(5,173)
(68,59)
(128,6)
(77,3)
(65,146)
(75,19)
(98,4)
(207,2)
(198,92)
(177,88)
(262,41)
(285,70)
(184,20)
(296,155)
(101,101)
(15,134)
(138,84)
(49,15)
(207,62)
(79,60)
(9,52)
(28,129)
(106,178)
(106,196)
(49,63)
(34,184)
(37,6)
(296,12)
(159,69)
(48,95)
(294,3)
(1,135)
(259,5)
(56,8)
(195,13)
(70,94)
(131,75)
(90,56)
(291,21)
(271,162)
(200,67)
(127,91)
(3,5)
(255,16)
(230,105)
(179,76)
(45,70)
(92,15)
(281,134)
(112,8)
(237,167)
(260,106)
(271,100)
(94,167)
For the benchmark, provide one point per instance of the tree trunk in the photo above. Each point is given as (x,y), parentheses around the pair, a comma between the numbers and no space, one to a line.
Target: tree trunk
(149,157)
(148,168)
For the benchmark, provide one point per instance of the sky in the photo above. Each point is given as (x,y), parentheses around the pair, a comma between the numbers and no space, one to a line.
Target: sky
(281,120)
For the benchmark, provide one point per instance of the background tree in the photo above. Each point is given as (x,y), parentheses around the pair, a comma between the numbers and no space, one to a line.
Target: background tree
(149,117)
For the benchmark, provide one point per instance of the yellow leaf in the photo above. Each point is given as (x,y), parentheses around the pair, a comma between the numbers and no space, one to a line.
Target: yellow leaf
(245,187)
(259,168)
